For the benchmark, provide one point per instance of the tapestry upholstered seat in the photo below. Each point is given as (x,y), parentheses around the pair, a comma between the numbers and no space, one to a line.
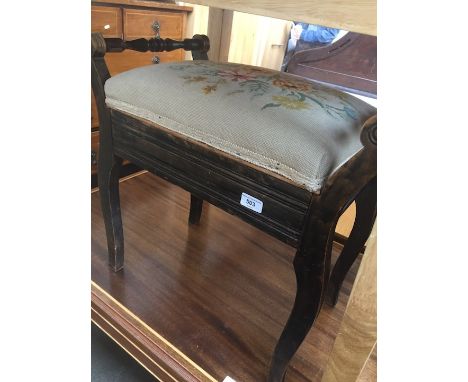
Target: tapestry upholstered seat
(292,126)
(285,154)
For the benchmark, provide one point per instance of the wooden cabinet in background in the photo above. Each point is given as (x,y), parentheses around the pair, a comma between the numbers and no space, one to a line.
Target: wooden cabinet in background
(130,20)
(107,20)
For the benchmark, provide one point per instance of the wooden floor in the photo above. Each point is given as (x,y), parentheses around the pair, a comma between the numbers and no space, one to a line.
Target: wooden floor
(219,292)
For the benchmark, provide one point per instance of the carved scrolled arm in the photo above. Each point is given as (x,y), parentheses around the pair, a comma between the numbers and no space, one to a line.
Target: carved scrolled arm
(369,133)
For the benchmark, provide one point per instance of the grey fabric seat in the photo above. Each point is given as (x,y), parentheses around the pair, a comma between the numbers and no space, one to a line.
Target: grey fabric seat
(291,126)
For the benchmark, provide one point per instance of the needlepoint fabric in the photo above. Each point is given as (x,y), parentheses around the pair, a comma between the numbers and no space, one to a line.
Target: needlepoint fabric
(292,126)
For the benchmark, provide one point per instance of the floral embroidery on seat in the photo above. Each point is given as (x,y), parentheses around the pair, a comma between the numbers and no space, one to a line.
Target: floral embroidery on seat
(291,85)
(236,75)
(289,93)
(288,102)
(209,88)
(195,78)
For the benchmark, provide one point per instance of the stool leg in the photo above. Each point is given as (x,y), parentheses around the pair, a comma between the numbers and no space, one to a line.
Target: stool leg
(108,172)
(196,206)
(366,211)
(309,296)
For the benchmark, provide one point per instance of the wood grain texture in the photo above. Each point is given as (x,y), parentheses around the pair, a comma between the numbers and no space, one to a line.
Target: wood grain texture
(220,291)
(106,20)
(214,32)
(351,15)
(258,40)
(219,33)
(144,4)
(149,348)
(369,372)
(358,332)
(127,60)
(137,24)
(349,64)
(226,31)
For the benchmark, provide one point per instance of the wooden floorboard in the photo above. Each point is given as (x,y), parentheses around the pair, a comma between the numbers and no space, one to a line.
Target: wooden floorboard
(219,292)
(369,372)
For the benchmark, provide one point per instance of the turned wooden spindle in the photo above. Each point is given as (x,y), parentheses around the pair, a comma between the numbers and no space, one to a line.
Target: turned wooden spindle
(197,43)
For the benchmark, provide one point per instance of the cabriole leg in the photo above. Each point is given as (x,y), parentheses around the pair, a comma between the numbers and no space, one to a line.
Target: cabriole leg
(108,174)
(309,296)
(366,211)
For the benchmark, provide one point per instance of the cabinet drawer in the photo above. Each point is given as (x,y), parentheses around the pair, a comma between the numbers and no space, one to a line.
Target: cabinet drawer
(126,60)
(138,23)
(107,20)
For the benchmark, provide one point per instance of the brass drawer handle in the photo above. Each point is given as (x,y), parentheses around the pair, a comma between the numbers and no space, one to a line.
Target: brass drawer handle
(156,27)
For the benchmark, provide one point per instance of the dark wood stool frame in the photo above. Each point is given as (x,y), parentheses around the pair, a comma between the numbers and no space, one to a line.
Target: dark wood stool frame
(292,214)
